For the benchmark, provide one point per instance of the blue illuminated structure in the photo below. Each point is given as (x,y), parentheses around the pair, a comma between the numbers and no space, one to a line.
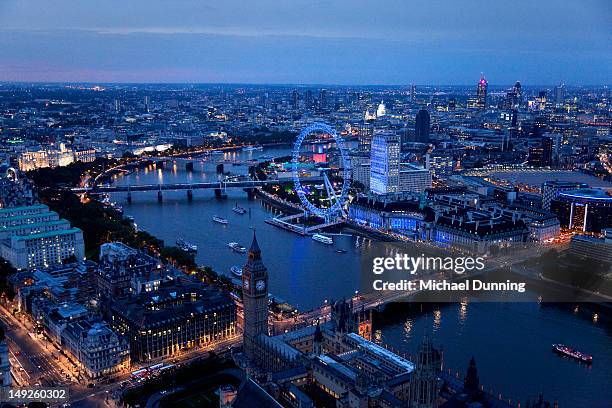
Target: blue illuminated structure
(336,200)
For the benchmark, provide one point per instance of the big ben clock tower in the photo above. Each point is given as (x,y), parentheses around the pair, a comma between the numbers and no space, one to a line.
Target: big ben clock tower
(254,298)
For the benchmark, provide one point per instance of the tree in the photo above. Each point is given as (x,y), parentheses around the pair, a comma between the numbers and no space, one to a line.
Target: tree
(6,270)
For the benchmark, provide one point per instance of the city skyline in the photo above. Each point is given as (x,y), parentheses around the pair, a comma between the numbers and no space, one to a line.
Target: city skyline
(322,43)
(306,204)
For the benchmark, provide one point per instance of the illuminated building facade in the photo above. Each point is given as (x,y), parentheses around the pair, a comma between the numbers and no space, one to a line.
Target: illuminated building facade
(96,348)
(118,265)
(481,93)
(254,298)
(365,133)
(32,237)
(385,163)
(179,315)
(551,189)
(586,209)
(413,178)
(360,168)
(57,157)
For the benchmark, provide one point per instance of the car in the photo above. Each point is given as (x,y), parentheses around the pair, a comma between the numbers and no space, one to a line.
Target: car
(90,385)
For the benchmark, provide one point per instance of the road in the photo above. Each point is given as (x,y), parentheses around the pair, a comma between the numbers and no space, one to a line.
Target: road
(33,358)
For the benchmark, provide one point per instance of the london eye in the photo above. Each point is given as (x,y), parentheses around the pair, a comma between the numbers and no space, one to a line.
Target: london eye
(335,197)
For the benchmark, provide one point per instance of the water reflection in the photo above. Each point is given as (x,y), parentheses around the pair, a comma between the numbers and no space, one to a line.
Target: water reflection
(437,320)
(408,326)
(378,336)
(463,311)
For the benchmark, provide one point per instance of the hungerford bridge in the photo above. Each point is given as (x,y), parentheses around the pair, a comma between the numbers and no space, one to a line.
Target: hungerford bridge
(219,187)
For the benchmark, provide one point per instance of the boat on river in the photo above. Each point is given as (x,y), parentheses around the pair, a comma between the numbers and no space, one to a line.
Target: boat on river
(323,239)
(573,353)
(236,271)
(237,247)
(220,220)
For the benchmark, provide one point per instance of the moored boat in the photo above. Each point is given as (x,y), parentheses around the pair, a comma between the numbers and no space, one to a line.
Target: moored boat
(239,210)
(251,148)
(570,352)
(186,246)
(218,219)
(323,239)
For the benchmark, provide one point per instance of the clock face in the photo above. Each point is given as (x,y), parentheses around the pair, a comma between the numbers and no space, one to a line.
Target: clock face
(246,284)
(260,285)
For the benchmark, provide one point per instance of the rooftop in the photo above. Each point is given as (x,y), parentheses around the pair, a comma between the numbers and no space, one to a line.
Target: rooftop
(382,352)
(47,234)
(10,210)
(587,193)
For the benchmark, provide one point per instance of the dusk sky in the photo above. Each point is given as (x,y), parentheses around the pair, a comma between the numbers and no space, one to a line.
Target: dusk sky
(325,42)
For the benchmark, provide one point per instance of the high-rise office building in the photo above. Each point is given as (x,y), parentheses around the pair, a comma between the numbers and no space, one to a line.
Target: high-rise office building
(547,146)
(421,126)
(146,103)
(559,95)
(542,156)
(518,92)
(481,93)
(412,92)
(323,99)
(295,99)
(365,133)
(385,163)
(255,299)
(308,100)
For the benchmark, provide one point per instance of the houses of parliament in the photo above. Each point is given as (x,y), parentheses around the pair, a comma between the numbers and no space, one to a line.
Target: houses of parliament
(335,364)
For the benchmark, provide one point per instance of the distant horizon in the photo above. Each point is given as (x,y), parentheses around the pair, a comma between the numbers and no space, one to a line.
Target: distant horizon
(304,85)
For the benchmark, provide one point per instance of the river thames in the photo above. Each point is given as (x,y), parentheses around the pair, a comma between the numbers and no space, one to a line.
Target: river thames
(510,341)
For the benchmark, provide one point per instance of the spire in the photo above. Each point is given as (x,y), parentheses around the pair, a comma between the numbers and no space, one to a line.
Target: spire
(318,336)
(254,250)
(471,383)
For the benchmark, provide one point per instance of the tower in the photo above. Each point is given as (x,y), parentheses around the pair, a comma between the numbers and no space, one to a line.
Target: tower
(295,99)
(254,298)
(317,345)
(5,364)
(481,93)
(560,95)
(385,163)
(471,383)
(421,126)
(323,99)
(424,383)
